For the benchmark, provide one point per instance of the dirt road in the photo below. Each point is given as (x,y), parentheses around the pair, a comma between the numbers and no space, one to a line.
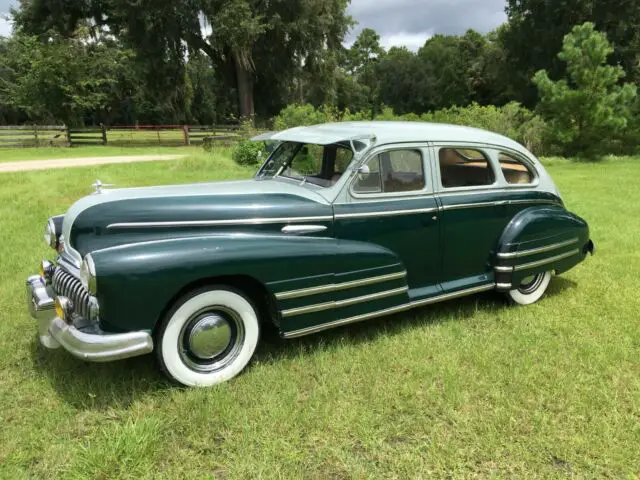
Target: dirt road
(29,165)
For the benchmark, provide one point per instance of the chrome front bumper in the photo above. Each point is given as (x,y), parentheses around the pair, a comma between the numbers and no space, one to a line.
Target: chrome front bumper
(91,345)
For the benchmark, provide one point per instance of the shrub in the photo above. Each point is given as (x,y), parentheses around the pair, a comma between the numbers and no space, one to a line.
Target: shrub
(248,153)
(297,115)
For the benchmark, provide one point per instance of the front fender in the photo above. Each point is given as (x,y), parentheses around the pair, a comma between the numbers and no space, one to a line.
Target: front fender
(136,282)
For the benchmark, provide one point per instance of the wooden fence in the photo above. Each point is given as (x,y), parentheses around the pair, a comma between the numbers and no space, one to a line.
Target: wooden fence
(155,135)
(33,136)
(123,136)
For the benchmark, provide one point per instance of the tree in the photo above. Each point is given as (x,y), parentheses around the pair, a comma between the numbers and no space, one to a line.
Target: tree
(536,30)
(590,109)
(255,45)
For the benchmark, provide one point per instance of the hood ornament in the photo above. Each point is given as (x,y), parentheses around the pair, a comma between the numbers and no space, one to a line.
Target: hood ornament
(99,185)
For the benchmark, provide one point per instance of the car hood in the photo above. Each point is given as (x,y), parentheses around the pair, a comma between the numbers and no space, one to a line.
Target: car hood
(130,215)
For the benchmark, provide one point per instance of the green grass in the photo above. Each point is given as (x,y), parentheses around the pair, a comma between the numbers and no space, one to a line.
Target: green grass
(467,388)
(46,153)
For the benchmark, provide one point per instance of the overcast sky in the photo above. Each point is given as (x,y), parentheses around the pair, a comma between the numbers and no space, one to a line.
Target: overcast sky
(402,22)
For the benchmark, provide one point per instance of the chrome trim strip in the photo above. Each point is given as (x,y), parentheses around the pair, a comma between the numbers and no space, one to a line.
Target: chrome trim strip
(385,214)
(386,311)
(334,287)
(533,251)
(503,269)
(539,200)
(452,295)
(209,223)
(302,229)
(503,286)
(471,205)
(343,303)
(526,266)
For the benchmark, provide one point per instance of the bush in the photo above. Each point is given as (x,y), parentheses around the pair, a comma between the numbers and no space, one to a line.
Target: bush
(512,120)
(248,153)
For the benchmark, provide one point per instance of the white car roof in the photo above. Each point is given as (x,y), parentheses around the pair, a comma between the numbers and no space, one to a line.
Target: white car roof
(390,132)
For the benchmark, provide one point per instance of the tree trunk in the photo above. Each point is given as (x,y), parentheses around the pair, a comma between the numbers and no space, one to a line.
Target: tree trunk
(245,90)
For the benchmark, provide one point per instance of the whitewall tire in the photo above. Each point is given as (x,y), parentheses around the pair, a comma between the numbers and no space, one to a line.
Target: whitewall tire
(530,289)
(208,337)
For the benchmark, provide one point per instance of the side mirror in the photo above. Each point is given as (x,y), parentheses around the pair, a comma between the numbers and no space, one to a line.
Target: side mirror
(363,172)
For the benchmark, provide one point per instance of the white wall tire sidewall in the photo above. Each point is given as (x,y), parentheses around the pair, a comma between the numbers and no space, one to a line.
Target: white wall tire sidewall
(171,358)
(528,298)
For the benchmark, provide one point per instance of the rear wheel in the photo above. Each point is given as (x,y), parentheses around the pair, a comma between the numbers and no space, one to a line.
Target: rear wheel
(208,337)
(530,289)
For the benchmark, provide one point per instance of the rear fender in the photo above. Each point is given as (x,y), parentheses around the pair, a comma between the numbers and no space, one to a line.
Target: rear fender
(539,239)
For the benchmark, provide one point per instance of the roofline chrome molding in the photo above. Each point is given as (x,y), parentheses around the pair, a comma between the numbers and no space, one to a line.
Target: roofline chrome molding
(209,223)
(539,263)
(335,287)
(388,311)
(533,251)
(343,303)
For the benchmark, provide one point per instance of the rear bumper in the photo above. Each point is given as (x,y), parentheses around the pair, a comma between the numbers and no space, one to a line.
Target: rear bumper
(90,343)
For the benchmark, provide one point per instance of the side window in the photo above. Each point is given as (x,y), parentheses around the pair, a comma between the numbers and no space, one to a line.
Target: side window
(463,167)
(515,172)
(392,172)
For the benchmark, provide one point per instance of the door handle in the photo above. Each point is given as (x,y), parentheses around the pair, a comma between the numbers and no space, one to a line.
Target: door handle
(302,229)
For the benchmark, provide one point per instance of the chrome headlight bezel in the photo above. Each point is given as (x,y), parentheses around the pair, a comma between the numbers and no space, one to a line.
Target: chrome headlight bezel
(88,275)
(50,234)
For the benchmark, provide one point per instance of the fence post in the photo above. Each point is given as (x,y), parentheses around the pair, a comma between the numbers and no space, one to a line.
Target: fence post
(35,134)
(185,131)
(104,133)
(67,133)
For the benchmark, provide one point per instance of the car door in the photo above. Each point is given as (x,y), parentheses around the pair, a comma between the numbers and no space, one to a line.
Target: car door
(393,208)
(473,213)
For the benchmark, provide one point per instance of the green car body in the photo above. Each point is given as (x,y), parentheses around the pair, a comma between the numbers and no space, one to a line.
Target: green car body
(309,256)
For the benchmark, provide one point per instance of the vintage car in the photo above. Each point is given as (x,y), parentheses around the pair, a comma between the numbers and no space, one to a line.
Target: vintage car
(342,223)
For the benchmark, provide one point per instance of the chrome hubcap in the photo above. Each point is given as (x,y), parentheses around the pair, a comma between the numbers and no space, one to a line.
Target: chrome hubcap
(209,337)
(531,283)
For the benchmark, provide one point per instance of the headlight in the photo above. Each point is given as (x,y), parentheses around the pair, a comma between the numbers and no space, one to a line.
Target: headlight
(88,275)
(50,234)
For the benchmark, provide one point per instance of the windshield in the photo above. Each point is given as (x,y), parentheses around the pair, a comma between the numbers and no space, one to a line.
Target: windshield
(321,165)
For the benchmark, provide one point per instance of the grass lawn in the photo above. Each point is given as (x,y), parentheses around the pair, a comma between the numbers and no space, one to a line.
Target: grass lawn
(46,153)
(472,387)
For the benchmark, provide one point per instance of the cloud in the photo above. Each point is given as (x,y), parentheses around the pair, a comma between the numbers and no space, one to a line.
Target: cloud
(404,22)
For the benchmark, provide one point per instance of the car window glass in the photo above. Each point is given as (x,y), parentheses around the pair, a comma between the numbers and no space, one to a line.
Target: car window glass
(465,168)
(515,172)
(393,171)
(308,161)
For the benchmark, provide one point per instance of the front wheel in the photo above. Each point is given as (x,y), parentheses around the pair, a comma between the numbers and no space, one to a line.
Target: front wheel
(530,289)
(208,337)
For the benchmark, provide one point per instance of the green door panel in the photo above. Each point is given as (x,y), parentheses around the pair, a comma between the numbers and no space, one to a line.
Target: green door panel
(472,223)
(406,227)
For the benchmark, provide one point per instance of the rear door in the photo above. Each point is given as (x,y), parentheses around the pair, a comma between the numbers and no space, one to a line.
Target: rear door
(473,213)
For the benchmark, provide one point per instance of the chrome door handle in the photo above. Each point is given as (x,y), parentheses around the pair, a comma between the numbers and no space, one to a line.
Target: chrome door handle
(302,229)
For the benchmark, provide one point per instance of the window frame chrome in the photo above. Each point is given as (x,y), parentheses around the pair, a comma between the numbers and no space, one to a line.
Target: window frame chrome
(482,148)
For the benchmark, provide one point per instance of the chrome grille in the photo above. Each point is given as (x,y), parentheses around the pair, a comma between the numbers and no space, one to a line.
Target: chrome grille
(67,285)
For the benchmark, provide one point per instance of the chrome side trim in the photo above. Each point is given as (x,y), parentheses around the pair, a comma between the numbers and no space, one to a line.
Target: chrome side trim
(385,214)
(334,287)
(452,295)
(533,251)
(503,269)
(460,206)
(209,223)
(503,286)
(343,303)
(526,266)
(386,311)
(540,200)
(302,229)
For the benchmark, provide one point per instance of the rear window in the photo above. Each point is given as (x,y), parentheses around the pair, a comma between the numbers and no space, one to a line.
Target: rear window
(463,167)
(515,172)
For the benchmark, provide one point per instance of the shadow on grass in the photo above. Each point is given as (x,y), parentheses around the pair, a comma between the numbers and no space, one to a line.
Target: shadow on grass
(117,385)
